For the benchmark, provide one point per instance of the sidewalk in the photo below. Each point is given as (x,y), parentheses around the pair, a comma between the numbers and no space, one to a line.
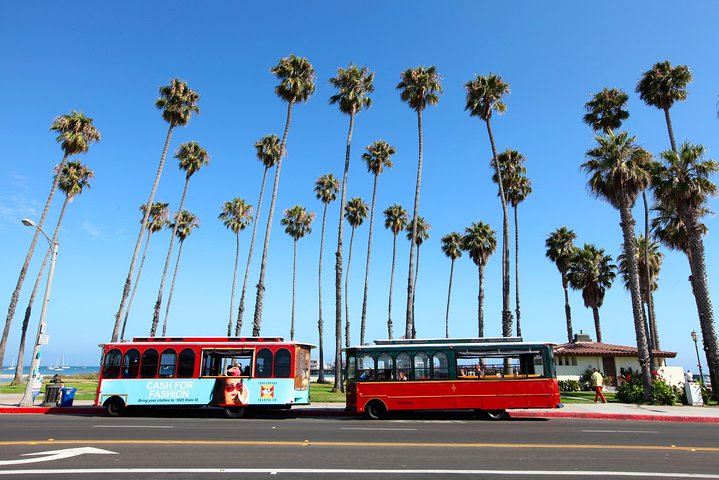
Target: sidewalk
(606,411)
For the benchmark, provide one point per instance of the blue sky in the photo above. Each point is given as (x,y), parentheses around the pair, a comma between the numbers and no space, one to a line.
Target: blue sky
(108,60)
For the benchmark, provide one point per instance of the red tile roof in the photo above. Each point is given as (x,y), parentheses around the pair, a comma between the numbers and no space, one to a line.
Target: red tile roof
(597,349)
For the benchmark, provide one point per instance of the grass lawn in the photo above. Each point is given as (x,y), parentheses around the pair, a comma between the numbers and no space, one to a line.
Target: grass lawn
(86,387)
(322,392)
(585,397)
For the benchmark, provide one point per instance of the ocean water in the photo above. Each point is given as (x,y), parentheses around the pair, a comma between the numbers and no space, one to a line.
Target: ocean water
(64,372)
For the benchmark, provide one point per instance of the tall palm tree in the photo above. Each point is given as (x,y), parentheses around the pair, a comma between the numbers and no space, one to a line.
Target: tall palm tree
(178,102)
(661,86)
(355,213)
(421,234)
(517,187)
(73,178)
(378,157)
(480,242)
(452,248)
(681,183)
(75,133)
(561,250)
(592,272)
(353,86)
(297,84)
(185,222)
(395,219)
(298,223)
(419,87)
(268,150)
(236,215)
(159,219)
(326,188)
(192,157)
(619,170)
(606,110)
(484,96)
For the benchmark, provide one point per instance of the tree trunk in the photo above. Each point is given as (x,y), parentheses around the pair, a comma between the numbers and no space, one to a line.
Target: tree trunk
(597,324)
(567,308)
(651,324)
(391,281)
(28,311)
(134,287)
(655,332)
(449,296)
(158,302)
(516,271)
(506,312)
(480,301)
(414,292)
(339,386)
(409,321)
(238,326)
(294,288)
(320,323)
(670,129)
(259,300)
(630,251)
(234,279)
(23,271)
(347,283)
(143,226)
(172,289)
(366,269)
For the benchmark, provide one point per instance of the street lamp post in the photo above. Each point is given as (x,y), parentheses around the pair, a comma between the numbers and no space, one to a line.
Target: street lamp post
(699,362)
(41,338)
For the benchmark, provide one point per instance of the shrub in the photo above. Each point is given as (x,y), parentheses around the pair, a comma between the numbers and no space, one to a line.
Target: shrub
(662,392)
(630,388)
(569,386)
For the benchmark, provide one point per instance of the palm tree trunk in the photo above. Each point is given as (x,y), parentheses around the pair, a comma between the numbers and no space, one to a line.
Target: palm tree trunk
(627,224)
(234,279)
(480,301)
(449,296)
(134,287)
(158,302)
(567,308)
(670,129)
(651,324)
(143,226)
(294,287)
(655,332)
(347,283)
(28,311)
(516,271)
(339,386)
(366,268)
(238,327)
(414,292)
(259,300)
(506,312)
(391,281)
(320,322)
(409,322)
(23,271)
(597,324)
(172,289)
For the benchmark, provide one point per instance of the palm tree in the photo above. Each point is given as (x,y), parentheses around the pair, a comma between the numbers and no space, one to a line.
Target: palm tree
(185,222)
(159,219)
(297,84)
(355,213)
(682,185)
(619,170)
(192,157)
(73,178)
(452,247)
(661,86)
(419,87)
(75,134)
(268,150)
(353,86)
(326,188)
(298,223)
(378,157)
(561,250)
(421,234)
(236,215)
(606,110)
(177,102)
(395,219)
(592,272)
(517,187)
(484,96)
(479,241)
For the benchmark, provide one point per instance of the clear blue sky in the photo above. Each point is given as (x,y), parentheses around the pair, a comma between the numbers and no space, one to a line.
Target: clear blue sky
(108,60)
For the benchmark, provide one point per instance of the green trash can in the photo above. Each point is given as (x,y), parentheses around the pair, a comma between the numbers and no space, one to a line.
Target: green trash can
(52,395)
(68,395)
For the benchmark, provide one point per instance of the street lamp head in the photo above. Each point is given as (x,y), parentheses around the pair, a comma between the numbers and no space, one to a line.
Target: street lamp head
(28,223)
(694,335)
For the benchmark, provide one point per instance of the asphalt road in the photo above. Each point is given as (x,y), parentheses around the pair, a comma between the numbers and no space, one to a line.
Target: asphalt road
(206,445)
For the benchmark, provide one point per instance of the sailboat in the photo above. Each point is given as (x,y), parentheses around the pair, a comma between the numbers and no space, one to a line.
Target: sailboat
(12,365)
(65,365)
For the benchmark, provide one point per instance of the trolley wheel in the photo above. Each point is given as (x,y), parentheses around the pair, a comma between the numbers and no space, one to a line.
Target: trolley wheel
(235,412)
(375,410)
(115,407)
(496,414)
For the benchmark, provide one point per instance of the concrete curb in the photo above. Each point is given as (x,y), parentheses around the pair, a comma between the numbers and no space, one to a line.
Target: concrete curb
(615,416)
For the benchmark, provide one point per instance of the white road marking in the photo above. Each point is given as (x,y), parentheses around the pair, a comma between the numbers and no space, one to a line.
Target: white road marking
(381,429)
(133,426)
(619,431)
(336,471)
(57,455)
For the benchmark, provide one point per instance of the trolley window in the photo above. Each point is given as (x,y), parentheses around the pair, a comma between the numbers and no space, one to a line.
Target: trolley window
(263,363)
(111,367)
(131,363)
(167,363)
(186,365)
(283,358)
(148,365)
